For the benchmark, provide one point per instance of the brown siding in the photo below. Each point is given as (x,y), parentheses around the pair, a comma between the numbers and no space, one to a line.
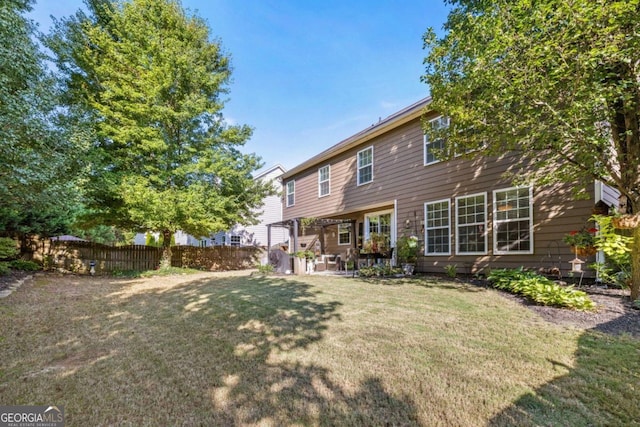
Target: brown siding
(400,175)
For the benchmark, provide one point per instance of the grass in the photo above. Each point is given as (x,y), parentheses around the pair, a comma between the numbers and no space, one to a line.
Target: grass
(235,349)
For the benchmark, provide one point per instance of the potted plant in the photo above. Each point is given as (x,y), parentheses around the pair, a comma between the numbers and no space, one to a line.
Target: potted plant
(407,248)
(376,244)
(305,262)
(582,241)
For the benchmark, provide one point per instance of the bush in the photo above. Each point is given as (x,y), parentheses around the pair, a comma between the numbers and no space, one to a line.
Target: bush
(20,264)
(8,248)
(265,269)
(4,268)
(540,289)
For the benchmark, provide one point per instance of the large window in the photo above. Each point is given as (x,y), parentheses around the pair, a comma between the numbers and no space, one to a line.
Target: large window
(437,229)
(291,193)
(344,234)
(433,150)
(513,221)
(379,223)
(471,224)
(324,175)
(365,166)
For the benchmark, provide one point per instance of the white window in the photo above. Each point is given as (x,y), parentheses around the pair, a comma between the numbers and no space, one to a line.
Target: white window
(291,193)
(365,166)
(433,150)
(437,228)
(234,240)
(324,176)
(471,224)
(344,234)
(513,221)
(380,224)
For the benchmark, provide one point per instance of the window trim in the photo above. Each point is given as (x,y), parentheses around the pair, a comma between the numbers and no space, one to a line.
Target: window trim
(426,228)
(426,143)
(458,225)
(348,233)
(359,183)
(328,181)
(496,222)
(292,193)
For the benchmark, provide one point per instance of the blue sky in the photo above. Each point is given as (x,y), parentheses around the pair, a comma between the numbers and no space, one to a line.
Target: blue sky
(310,73)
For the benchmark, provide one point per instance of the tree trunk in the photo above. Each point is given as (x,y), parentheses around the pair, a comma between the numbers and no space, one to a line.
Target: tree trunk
(635,265)
(165,260)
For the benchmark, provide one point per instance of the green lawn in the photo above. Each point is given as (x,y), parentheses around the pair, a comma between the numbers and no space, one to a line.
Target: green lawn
(236,349)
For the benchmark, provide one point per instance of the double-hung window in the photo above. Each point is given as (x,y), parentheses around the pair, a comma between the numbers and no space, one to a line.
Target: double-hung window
(324,176)
(291,193)
(365,166)
(471,224)
(344,234)
(433,150)
(437,228)
(513,220)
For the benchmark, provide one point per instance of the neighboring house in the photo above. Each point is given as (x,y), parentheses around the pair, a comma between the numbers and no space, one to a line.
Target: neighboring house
(239,235)
(466,212)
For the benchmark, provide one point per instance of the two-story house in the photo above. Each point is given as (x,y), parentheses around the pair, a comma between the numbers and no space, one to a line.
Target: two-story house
(467,211)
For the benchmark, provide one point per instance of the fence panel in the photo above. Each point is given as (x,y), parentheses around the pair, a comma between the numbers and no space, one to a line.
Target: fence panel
(77,256)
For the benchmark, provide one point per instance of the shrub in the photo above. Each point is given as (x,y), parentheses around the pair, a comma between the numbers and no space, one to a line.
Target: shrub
(20,264)
(451,270)
(540,289)
(8,248)
(265,269)
(378,270)
(4,268)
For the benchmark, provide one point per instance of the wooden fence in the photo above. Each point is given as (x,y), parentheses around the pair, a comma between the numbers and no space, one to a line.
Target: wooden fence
(78,256)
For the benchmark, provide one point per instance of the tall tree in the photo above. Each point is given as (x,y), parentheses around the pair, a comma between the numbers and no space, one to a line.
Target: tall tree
(39,163)
(152,82)
(556,80)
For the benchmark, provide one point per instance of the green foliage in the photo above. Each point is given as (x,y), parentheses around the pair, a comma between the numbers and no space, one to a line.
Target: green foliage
(451,270)
(582,238)
(4,268)
(617,249)
(7,248)
(168,271)
(151,83)
(379,270)
(20,264)
(40,162)
(306,254)
(407,248)
(539,289)
(265,269)
(542,78)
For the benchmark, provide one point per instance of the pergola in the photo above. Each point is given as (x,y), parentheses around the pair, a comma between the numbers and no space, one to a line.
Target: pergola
(294,224)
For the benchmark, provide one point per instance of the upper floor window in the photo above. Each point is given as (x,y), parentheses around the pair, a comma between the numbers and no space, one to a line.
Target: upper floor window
(324,176)
(471,224)
(513,220)
(234,240)
(291,193)
(437,228)
(365,166)
(433,149)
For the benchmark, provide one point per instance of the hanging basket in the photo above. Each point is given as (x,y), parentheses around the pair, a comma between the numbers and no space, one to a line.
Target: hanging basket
(584,251)
(626,221)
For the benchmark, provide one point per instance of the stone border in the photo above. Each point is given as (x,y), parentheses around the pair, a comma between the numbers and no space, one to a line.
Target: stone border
(14,286)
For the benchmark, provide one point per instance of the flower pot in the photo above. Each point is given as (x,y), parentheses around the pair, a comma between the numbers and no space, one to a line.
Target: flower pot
(407,269)
(584,250)
(626,221)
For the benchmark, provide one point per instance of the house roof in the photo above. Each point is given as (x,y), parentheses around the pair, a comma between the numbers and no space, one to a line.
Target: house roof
(396,119)
(269,170)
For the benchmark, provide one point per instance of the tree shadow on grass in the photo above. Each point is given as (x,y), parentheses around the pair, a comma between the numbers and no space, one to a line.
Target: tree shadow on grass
(220,352)
(601,389)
